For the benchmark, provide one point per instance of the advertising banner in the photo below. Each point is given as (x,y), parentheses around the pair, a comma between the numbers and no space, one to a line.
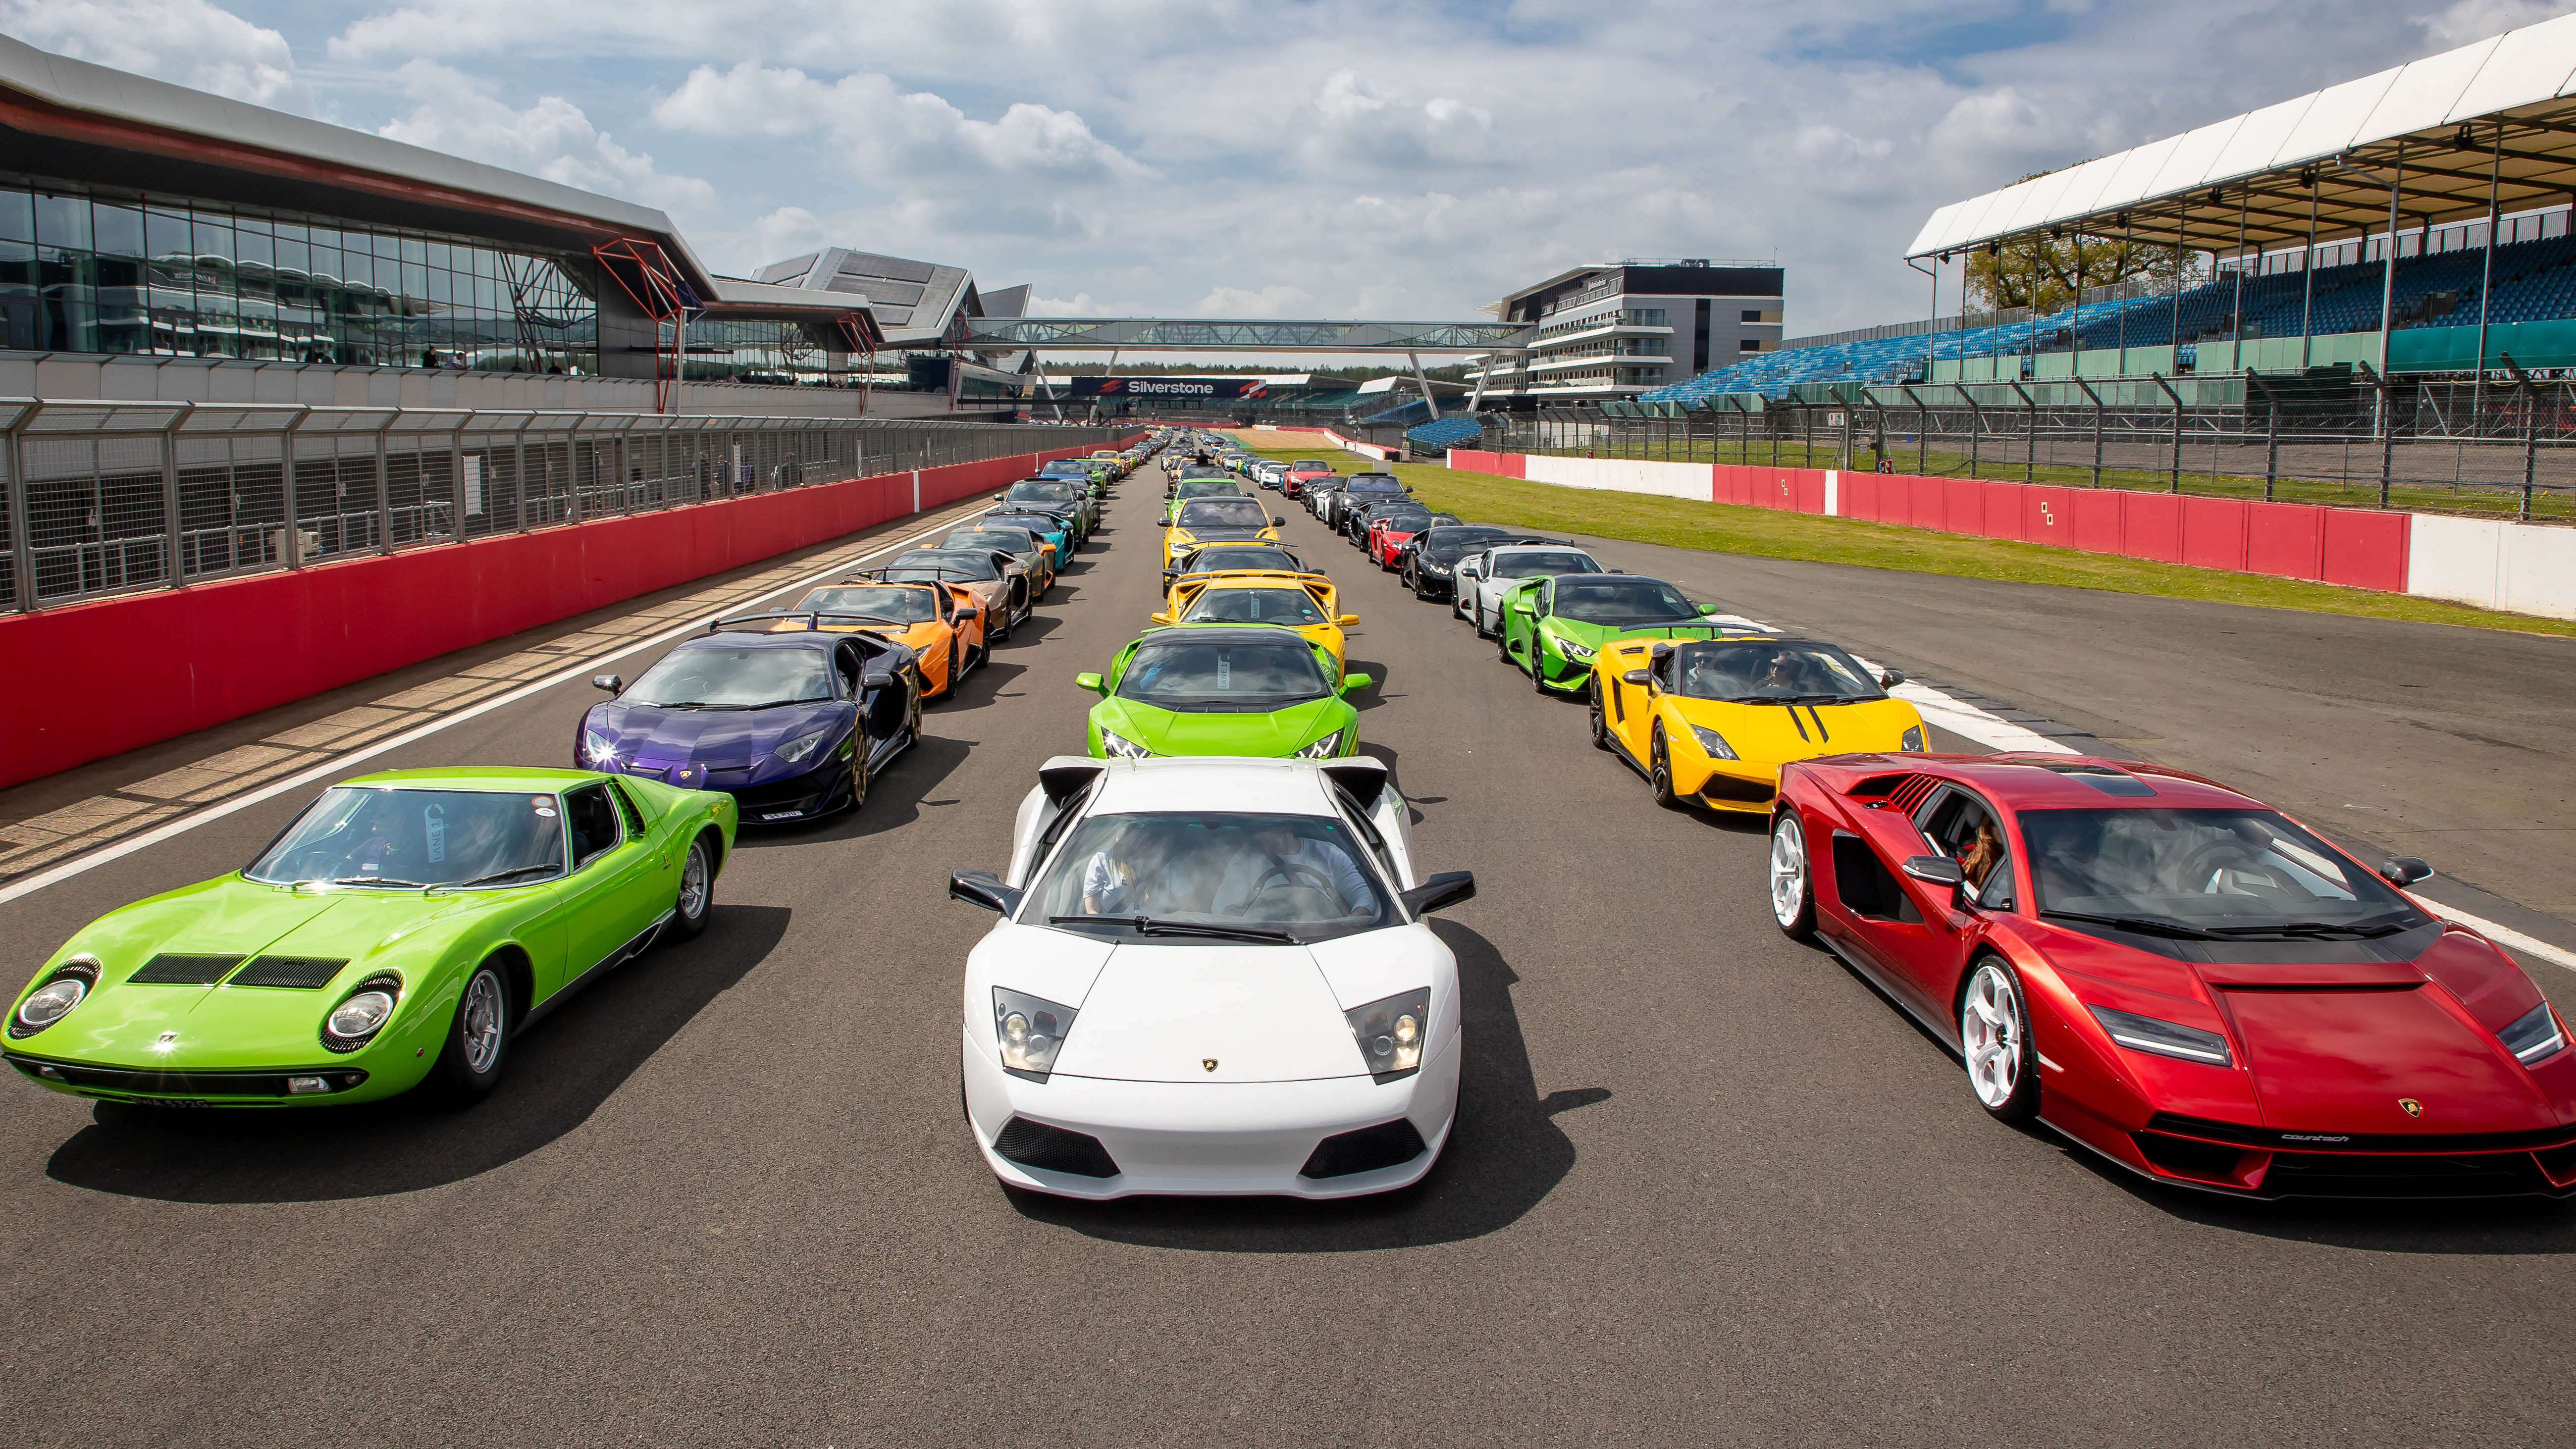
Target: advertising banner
(1171,389)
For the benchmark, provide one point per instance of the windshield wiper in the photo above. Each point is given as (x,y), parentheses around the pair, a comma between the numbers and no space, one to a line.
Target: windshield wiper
(774,703)
(382,880)
(1148,926)
(2136,924)
(2364,930)
(498,875)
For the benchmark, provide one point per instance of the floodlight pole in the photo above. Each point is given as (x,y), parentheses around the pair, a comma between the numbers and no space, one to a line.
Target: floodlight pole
(2308,277)
(2388,288)
(1932,324)
(2237,327)
(2486,279)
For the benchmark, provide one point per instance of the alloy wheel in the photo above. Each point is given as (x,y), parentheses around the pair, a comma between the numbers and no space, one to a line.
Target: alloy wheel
(1990,1035)
(482,1019)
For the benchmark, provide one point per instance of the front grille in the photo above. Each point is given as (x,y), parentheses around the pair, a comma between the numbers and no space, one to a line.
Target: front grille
(299,973)
(167,969)
(2184,1157)
(796,793)
(178,1084)
(2390,1174)
(1053,1149)
(1727,787)
(2406,1142)
(1366,1150)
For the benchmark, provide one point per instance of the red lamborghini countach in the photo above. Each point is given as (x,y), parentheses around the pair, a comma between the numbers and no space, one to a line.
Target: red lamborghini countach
(2180,978)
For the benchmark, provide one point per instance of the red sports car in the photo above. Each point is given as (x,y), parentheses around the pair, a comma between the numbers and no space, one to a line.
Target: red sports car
(1387,536)
(2180,978)
(1302,472)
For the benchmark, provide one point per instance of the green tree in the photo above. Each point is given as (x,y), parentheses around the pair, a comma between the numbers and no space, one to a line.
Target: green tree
(2042,270)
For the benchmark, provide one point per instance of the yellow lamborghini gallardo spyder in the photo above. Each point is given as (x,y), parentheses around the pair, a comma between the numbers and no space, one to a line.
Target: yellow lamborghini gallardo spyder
(1303,602)
(1197,521)
(1711,721)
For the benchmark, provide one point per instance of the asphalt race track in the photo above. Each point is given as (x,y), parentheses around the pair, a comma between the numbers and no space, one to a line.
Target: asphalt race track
(1707,1187)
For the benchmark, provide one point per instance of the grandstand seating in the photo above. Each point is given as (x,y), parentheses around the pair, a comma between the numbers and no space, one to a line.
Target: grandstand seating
(1446,433)
(2534,281)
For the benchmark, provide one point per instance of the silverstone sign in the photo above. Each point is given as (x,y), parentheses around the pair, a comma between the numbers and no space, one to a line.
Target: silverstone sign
(1171,389)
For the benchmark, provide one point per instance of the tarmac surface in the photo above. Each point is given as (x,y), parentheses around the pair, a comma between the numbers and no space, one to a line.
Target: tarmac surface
(1706,1186)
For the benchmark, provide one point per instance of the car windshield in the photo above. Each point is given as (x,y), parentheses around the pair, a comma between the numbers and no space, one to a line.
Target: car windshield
(1368,487)
(358,835)
(1015,542)
(905,605)
(728,676)
(1612,599)
(1293,607)
(924,566)
(1207,488)
(2231,872)
(1220,560)
(1039,493)
(1303,464)
(1764,671)
(1444,545)
(1228,675)
(1038,523)
(1223,513)
(1301,875)
(1533,563)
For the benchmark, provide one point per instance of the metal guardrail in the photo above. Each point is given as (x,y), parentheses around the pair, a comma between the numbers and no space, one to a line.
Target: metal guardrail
(107,497)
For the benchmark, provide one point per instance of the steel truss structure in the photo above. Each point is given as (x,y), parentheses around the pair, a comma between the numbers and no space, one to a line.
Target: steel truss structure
(1172,334)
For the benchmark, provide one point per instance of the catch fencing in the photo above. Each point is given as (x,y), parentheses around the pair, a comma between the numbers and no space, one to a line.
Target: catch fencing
(2492,450)
(108,497)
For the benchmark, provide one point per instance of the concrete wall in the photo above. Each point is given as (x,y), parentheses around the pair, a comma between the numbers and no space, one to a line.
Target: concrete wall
(2494,564)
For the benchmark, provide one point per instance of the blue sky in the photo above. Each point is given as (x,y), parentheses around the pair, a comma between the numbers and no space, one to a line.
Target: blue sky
(1320,158)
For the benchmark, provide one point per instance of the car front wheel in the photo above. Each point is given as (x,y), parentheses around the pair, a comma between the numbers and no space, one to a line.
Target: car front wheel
(1994,1039)
(697,894)
(1659,771)
(478,1039)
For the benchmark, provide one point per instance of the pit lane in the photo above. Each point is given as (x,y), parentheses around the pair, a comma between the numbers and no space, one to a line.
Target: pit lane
(1706,1185)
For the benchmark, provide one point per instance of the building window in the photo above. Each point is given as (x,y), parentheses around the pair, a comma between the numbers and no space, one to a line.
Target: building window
(1749,344)
(1752,314)
(198,279)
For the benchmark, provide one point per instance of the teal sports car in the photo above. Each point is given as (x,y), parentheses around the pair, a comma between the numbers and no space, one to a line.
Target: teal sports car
(1223,689)
(1554,625)
(401,931)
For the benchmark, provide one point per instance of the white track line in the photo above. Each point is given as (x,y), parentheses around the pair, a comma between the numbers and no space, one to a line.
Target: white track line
(337,763)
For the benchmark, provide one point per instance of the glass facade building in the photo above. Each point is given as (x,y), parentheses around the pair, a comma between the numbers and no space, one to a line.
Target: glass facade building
(84,271)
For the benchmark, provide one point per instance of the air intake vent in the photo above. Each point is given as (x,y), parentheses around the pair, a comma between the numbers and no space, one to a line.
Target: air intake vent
(1367,1150)
(170,970)
(301,973)
(1911,794)
(1053,1149)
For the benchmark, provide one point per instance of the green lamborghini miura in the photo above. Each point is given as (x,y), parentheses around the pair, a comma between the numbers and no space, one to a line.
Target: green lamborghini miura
(402,930)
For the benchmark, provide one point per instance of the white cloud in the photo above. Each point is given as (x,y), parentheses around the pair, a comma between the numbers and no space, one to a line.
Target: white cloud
(871,121)
(1081,305)
(1270,301)
(2470,20)
(188,41)
(552,138)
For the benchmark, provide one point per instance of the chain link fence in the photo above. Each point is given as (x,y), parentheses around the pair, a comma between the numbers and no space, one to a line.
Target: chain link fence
(2482,449)
(109,497)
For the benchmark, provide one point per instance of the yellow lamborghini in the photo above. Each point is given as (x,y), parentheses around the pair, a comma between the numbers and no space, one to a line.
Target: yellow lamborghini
(1303,602)
(1711,721)
(1197,521)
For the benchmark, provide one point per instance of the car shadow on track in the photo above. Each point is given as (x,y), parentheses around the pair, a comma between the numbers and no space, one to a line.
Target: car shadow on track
(894,800)
(1504,1154)
(2498,1225)
(1374,694)
(558,1075)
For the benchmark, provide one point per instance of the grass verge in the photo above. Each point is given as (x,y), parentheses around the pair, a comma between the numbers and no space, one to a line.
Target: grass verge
(1765,533)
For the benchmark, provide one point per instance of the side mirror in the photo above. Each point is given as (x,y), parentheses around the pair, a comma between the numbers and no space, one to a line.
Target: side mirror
(1890,678)
(1939,870)
(2404,870)
(1357,681)
(1616,571)
(983,888)
(1093,682)
(1276,521)
(1160,616)
(876,679)
(1638,676)
(1347,620)
(609,682)
(969,614)
(1448,888)
(997,497)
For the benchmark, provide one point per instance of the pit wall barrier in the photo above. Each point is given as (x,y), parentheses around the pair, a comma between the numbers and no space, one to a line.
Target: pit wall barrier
(2524,568)
(116,674)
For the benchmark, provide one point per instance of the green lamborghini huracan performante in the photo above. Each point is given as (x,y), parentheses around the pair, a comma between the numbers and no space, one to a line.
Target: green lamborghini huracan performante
(400,932)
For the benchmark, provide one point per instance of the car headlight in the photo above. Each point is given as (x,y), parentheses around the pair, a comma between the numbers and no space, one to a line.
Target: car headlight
(2163,1038)
(1323,749)
(1713,742)
(1579,653)
(1030,1032)
(2534,1036)
(597,748)
(1912,740)
(1118,747)
(797,750)
(1391,1033)
(361,1014)
(1431,566)
(51,1002)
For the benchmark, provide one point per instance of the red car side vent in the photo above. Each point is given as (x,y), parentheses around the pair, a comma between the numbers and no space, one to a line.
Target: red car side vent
(1904,798)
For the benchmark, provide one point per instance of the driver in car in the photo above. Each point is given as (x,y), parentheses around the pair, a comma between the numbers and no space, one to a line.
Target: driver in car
(1274,855)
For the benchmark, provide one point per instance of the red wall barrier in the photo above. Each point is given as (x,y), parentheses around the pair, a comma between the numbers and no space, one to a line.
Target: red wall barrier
(129,671)
(2366,550)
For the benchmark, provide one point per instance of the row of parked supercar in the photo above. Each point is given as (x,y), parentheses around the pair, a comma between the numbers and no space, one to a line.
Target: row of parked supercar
(405,926)
(1213,971)
(2167,972)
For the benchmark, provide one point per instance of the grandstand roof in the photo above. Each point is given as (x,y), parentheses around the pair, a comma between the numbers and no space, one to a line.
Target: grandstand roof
(2506,104)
